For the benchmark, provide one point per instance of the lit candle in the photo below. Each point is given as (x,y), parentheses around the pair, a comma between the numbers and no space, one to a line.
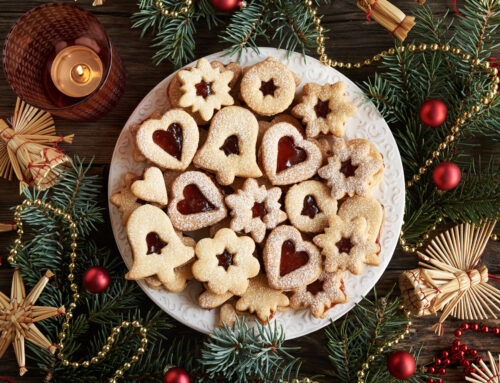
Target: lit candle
(76,71)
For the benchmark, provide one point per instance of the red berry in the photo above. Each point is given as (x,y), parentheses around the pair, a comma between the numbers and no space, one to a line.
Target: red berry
(446,362)
(458,333)
(465,363)
(465,326)
(431,370)
(454,349)
(457,342)
(472,370)
(438,380)
(429,380)
(473,352)
(478,359)
(464,347)
(495,330)
(442,371)
(437,361)
(485,329)
(474,326)
(445,354)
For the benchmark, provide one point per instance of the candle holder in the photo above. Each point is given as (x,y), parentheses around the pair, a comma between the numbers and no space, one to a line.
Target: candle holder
(34,43)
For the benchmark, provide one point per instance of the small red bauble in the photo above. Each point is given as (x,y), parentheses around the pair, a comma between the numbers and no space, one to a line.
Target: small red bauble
(442,371)
(478,360)
(433,112)
(474,326)
(176,375)
(458,333)
(227,5)
(473,352)
(401,364)
(446,175)
(431,370)
(96,279)
(495,330)
(446,362)
(430,380)
(456,343)
(465,326)
(464,347)
(438,380)
(485,329)
(437,361)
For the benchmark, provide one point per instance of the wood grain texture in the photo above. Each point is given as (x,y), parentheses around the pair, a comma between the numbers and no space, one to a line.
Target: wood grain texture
(351,38)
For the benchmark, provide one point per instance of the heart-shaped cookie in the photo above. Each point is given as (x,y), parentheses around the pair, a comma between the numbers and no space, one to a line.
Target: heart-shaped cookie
(229,150)
(156,248)
(290,261)
(196,202)
(169,142)
(152,187)
(286,156)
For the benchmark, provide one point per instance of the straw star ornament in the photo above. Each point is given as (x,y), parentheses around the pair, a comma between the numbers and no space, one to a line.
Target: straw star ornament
(18,316)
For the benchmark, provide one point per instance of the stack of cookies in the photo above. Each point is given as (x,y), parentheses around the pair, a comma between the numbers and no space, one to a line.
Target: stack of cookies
(252,191)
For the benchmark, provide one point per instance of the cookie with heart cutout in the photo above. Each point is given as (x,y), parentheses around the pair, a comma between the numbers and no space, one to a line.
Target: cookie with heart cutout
(308,206)
(321,295)
(156,248)
(346,245)
(229,150)
(196,202)
(125,200)
(290,261)
(287,157)
(368,208)
(226,262)
(151,187)
(169,142)
(262,300)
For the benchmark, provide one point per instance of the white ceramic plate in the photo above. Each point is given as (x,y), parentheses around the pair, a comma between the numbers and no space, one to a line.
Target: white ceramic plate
(367,123)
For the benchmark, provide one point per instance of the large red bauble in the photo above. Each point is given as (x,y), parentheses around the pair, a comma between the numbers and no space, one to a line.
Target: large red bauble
(446,175)
(401,364)
(176,375)
(227,5)
(433,112)
(96,279)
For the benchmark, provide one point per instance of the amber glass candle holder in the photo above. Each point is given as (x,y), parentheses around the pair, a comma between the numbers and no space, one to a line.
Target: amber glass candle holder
(33,44)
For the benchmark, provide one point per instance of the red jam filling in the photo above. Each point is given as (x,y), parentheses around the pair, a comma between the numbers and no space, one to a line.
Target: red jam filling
(170,140)
(194,201)
(348,168)
(315,287)
(203,89)
(258,210)
(268,88)
(322,108)
(231,146)
(310,207)
(290,259)
(154,243)
(289,154)
(344,245)
(225,259)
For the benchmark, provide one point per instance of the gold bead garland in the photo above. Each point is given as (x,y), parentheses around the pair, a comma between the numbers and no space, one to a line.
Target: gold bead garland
(48,208)
(174,14)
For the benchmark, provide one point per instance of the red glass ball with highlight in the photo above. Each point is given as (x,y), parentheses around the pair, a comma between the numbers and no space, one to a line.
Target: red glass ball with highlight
(227,5)
(176,375)
(433,112)
(401,364)
(446,176)
(96,279)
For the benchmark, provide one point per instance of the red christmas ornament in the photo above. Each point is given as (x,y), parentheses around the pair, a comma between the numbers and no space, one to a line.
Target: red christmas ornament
(176,375)
(227,5)
(401,364)
(433,112)
(96,279)
(446,175)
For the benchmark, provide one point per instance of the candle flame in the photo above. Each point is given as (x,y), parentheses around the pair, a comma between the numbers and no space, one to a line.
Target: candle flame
(79,70)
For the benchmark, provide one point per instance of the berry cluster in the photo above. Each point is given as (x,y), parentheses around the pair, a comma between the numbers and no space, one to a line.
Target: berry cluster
(459,352)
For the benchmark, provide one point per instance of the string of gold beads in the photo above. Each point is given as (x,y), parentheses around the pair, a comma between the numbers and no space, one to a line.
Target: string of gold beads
(304,380)
(48,208)
(165,12)
(371,357)
(474,62)
(413,248)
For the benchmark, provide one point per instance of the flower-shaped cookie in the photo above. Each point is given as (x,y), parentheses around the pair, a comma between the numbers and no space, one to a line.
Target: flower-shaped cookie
(156,248)
(152,187)
(346,245)
(125,200)
(255,209)
(321,295)
(324,109)
(367,207)
(205,89)
(262,299)
(355,167)
(226,262)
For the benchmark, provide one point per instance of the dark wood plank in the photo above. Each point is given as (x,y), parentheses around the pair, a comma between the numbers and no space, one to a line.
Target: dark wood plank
(351,38)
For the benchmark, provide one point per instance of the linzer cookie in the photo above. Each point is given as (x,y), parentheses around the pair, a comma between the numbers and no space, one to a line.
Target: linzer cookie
(125,200)
(156,248)
(226,262)
(255,208)
(355,168)
(268,87)
(290,261)
(169,142)
(321,295)
(262,299)
(308,206)
(287,157)
(196,202)
(366,207)
(152,187)
(229,150)
(346,245)
(324,109)
(205,89)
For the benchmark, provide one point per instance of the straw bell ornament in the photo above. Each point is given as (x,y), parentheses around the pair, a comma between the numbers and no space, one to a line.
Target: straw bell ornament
(449,279)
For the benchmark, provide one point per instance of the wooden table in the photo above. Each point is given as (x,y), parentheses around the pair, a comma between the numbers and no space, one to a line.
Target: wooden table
(351,38)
